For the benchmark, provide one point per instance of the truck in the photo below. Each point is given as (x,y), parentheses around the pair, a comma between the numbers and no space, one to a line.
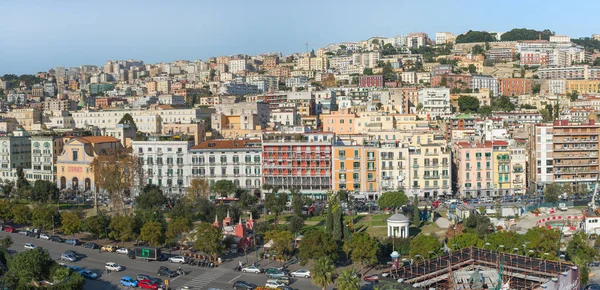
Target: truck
(147,253)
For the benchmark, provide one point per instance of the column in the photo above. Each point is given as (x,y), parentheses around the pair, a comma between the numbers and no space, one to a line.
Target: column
(405,232)
(389,231)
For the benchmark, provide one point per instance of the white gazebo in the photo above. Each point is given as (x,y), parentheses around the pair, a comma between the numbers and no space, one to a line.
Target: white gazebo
(397,226)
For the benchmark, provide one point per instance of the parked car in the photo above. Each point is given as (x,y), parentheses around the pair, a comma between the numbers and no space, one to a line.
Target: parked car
(592,287)
(44,237)
(277,274)
(147,284)
(113,267)
(29,246)
(164,271)
(68,257)
(128,282)
(274,284)
(243,285)
(56,239)
(301,273)
(73,242)
(123,251)
(273,270)
(79,256)
(372,278)
(178,259)
(88,274)
(91,245)
(141,277)
(23,233)
(33,234)
(9,229)
(252,269)
(285,288)
(285,280)
(108,248)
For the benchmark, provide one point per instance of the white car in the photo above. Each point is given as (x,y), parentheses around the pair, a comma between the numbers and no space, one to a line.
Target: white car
(68,257)
(252,269)
(177,259)
(274,284)
(113,267)
(29,246)
(301,273)
(123,251)
(44,237)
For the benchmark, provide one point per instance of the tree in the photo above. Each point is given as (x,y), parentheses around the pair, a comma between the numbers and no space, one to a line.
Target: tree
(368,71)
(542,240)
(444,81)
(329,220)
(315,244)
(7,188)
(21,214)
(477,49)
(581,253)
(503,103)
(199,188)
(574,95)
(348,280)
(151,197)
(30,266)
(478,224)
(209,239)
(97,225)
(44,190)
(392,200)
(322,272)
(475,36)
(415,215)
(596,62)
(296,223)
(176,227)
(152,232)
(552,192)
(526,34)
(536,89)
(419,106)
(275,203)
(282,241)
(362,249)
(6,242)
(546,117)
(485,111)
(122,228)
(508,239)
(72,222)
(5,210)
(466,240)
(45,217)
(127,119)
(118,171)
(297,202)
(22,182)
(338,224)
(468,104)
(423,244)
(388,72)
(224,187)
(472,68)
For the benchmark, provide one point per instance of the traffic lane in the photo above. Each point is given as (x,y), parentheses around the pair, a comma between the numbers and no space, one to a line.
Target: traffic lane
(95,260)
(226,281)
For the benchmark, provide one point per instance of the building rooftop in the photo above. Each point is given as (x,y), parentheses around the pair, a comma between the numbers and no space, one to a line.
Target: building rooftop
(227,144)
(98,139)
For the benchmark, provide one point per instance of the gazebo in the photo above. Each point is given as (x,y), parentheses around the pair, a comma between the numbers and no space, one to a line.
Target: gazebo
(397,226)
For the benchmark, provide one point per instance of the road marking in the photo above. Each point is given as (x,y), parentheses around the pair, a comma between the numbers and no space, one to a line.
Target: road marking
(231,281)
(175,278)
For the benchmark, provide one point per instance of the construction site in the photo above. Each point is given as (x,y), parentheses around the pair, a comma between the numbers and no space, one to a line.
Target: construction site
(474,268)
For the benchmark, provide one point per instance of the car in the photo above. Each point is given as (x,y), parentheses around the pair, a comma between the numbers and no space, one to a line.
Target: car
(9,229)
(252,269)
(141,277)
(243,285)
(33,234)
(372,278)
(592,287)
(277,274)
(77,255)
(29,246)
(128,282)
(274,284)
(301,273)
(147,284)
(75,268)
(44,237)
(123,251)
(285,288)
(113,267)
(108,248)
(73,242)
(273,270)
(23,233)
(88,274)
(164,271)
(56,239)
(68,257)
(91,245)
(178,259)
(285,280)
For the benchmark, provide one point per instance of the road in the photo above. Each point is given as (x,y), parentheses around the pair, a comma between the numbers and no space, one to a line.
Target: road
(198,278)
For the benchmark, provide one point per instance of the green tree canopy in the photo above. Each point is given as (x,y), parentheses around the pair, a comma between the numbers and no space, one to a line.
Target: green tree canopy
(72,222)
(322,272)
(542,240)
(44,215)
(363,249)
(477,49)
(315,244)
(209,239)
(503,103)
(475,36)
(368,71)
(423,244)
(478,224)
(388,72)
(282,241)
(32,265)
(44,190)
(176,227)
(21,214)
(296,223)
(122,228)
(348,280)
(526,34)
(508,239)
(97,225)
(466,240)
(468,104)
(392,200)
(224,187)
(152,232)
(128,119)
(552,192)
(275,203)
(151,197)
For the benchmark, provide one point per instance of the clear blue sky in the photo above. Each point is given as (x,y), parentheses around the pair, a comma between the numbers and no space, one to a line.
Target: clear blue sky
(38,35)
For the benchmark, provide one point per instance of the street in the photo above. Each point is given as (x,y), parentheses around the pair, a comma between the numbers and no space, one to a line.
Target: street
(198,278)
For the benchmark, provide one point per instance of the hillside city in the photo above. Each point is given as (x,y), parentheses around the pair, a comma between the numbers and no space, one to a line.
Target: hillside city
(417,161)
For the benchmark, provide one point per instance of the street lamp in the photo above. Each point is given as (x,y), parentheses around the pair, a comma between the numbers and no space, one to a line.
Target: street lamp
(501,246)
(544,258)
(514,250)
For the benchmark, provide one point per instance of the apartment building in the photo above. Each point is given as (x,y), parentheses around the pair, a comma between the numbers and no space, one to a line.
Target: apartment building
(299,81)
(197,130)
(582,86)
(26,118)
(239,120)
(163,87)
(436,101)
(238,65)
(298,158)
(15,152)
(342,121)
(451,81)
(576,148)
(501,157)
(479,82)
(430,172)
(518,164)
(499,54)
(355,170)
(442,69)
(515,86)
(580,72)
(393,172)
(444,37)
(417,39)
(271,62)
(165,163)
(44,153)
(374,81)
(556,87)
(235,160)
(474,165)
(366,59)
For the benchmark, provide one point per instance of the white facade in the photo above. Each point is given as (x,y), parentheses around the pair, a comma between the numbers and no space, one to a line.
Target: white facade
(165,163)
(409,77)
(171,100)
(556,87)
(238,89)
(366,59)
(237,65)
(15,151)
(444,37)
(44,150)
(436,101)
(559,38)
(299,81)
(488,82)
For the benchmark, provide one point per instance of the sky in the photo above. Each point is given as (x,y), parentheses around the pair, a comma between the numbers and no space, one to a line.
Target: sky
(39,35)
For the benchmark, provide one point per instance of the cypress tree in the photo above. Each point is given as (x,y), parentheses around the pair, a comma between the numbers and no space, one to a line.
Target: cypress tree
(338,223)
(329,221)
(416,220)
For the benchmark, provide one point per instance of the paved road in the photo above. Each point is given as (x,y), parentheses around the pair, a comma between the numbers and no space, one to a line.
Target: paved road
(198,278)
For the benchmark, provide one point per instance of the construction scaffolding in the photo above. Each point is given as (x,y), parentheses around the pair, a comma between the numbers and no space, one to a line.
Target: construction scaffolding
(452,271)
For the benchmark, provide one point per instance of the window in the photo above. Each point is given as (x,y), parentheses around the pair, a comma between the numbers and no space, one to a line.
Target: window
(356,165)
(355,176)
(371,165)
(248,159)
(342,166)
(355,153)
(256,159)
(342,154)
(236,159)
(223,171)
(75,155)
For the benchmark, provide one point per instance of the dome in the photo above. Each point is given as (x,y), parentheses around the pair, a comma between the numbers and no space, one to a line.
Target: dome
(397,218)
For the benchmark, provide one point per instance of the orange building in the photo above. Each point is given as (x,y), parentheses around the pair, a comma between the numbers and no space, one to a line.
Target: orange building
(342,121)
(354,169)
(515,86)
(151,86)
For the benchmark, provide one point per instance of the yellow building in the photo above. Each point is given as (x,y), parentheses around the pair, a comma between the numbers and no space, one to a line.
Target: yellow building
(502,165)
(478,65)
(342,121)
(73,165)
(582,86)
(355,170)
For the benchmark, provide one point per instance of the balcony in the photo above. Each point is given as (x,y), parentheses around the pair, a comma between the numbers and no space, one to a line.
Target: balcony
(431,177)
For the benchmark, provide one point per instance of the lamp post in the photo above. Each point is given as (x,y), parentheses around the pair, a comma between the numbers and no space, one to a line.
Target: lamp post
(501,246)
(544,258)
(485,245)
(419,256)
(436,257)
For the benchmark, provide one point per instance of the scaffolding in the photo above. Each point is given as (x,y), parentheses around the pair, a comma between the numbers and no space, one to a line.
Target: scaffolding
(518,271)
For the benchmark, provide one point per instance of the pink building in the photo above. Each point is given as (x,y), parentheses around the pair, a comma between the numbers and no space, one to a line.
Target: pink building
(474,168)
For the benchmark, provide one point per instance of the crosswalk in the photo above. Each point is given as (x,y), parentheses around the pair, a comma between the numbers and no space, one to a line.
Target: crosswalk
(202,280)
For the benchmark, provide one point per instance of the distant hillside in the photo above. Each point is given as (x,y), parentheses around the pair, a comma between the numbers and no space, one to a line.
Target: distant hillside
(475,36)
(588,43)
(526,34)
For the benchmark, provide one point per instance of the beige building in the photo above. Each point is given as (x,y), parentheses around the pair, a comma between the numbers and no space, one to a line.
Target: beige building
(197,130)
(25,118)
(313,63)
(239,120)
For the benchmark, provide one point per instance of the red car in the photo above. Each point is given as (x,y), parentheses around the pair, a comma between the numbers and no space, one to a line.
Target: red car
(372,278)
(9,229)
(147,284)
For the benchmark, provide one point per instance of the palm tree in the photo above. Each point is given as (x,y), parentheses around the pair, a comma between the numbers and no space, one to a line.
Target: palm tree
(348,280)
(6,242)
(322,272)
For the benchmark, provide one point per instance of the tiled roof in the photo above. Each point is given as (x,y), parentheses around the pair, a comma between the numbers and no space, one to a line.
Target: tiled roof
(98,139)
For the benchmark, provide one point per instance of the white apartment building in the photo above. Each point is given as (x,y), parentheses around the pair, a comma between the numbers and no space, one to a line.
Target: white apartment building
(285,115)
(237,65)
(444,37)
(559,38)
(394,169)
(15,151)
(366,59)
(518,160)
(416,40)
(299,81)
(44,150)
(235,160)
(338,62)
(165,163)
(436,101)
(238,89)
(541,156)
(409,77)
(484,81)
(171,100)
(271,82)
(556,87)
